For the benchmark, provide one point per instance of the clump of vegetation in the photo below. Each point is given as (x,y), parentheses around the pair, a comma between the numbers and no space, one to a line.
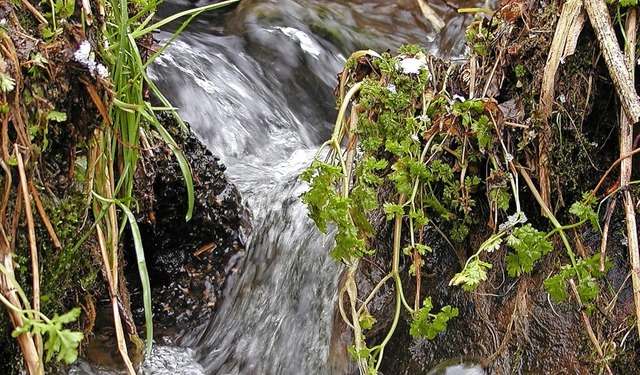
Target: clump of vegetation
(76,113)
(427,144)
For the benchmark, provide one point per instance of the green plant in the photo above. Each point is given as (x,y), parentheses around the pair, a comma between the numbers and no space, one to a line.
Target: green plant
(63,343)
(113,88)
(392,140)
(404,134)
(131,114)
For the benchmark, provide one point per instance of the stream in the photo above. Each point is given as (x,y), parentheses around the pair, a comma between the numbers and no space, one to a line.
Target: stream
(255,83)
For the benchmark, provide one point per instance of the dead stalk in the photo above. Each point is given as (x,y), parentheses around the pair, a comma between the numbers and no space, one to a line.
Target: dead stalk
(25,340)
(587,325)
(35,12)
(626,166)
(109,246)
(113,297)
(35,264)
(44,216)
(613,57)
(605,232)
(27,345)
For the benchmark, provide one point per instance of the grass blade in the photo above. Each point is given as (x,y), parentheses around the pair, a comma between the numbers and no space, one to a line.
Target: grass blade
(142,268)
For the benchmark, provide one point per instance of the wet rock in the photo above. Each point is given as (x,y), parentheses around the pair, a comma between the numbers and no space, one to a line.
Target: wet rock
(457,366)
(188,261)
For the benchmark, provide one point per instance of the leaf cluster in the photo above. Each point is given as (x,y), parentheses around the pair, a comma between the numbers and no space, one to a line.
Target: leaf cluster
(586,271)
(61,342)
(428,325)
(326,205)
(529,245)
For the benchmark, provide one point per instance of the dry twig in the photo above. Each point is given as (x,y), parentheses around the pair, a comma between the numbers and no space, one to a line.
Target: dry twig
(35,264)
(35,12)
(563,45)
(587,325)
(613,57)
(626,166)
(44,216)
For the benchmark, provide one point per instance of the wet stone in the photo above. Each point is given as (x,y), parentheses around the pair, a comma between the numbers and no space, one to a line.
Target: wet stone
(188,261)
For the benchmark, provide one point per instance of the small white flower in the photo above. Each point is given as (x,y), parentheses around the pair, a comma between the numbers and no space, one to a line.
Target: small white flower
(415,137)
(102,71)
(411,65)
(562,98)
(513,220)
(3,22)
(392,88)
(82,55)
(87,58)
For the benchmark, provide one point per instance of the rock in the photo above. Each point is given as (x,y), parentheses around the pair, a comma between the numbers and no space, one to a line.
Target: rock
(188,261)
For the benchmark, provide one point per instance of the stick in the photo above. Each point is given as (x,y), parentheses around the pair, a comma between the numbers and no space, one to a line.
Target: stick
(35,266)
(601,22)
(25,340)
(587,325)
(605,233)
(563,44)
(35,12)
(44,216)
(626,145)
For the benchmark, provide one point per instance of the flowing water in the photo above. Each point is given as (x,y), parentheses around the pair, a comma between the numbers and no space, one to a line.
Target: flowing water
(256,83)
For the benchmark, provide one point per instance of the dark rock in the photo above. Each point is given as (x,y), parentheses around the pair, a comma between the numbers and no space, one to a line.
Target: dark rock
(188,261)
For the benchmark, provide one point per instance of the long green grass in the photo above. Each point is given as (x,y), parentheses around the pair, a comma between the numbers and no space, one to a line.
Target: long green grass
(131,115)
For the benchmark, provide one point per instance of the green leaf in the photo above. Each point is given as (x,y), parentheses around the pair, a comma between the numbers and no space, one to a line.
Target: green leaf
(529,245)
(584,211)
(484,131)
(429,325)
(628,3)
(57,116)
(423,249)
(556,286)
(588,289)
(7,84)
(472,274)
(392,210)
(366,320)
(492,243)
(69,317)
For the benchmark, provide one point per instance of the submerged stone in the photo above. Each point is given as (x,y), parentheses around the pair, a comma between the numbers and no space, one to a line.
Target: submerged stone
(457,366)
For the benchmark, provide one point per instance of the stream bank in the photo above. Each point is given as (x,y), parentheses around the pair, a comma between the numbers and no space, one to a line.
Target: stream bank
(528,298)
(235,339)
(68,156)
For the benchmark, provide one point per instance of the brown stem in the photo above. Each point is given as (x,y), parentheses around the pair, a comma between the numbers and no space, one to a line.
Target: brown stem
(587,324)
(35,12)
(626,166)
(613,57)
(44,216)
(25,340)
(605,232)
(35,265)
